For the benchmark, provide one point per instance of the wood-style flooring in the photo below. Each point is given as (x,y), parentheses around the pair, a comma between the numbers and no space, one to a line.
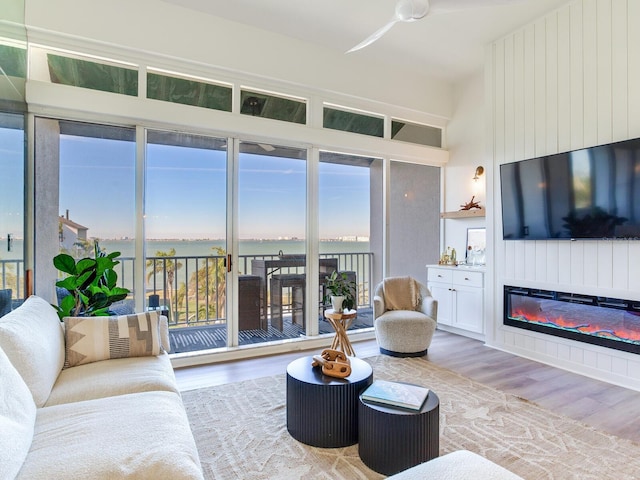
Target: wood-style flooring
(606,407)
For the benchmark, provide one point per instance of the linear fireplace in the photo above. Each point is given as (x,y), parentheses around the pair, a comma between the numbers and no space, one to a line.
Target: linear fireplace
(604,321)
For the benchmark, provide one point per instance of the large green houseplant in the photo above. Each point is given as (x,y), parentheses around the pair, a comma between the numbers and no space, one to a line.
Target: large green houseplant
(338,285)
(91,283)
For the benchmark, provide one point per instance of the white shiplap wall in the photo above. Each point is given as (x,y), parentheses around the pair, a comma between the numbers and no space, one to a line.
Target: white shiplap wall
(567,81)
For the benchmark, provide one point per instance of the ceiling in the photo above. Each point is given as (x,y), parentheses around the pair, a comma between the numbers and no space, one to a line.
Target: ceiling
(448,43)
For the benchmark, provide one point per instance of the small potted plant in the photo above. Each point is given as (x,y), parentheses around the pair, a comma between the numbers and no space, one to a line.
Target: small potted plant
(91,283)
(340,292)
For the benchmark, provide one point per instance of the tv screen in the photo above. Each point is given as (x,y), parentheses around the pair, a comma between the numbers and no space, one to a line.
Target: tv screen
(593,193)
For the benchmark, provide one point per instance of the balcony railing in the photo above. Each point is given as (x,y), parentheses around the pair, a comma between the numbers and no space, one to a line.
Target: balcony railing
(192,289)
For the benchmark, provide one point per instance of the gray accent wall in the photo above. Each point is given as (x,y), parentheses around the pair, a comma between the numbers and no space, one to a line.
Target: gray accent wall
(414,219)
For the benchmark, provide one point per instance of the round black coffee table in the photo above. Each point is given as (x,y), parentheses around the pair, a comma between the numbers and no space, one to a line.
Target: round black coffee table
(394,439)
(322,411)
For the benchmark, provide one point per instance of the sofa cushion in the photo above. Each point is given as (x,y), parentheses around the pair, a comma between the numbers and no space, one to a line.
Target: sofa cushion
(17,418)
(459,465)
(92,339)
(142,436)
(113,377)
(32,337)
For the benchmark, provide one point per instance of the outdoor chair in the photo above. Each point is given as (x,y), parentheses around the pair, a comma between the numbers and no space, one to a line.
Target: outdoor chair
(5,301)
(404,317)
(297,283)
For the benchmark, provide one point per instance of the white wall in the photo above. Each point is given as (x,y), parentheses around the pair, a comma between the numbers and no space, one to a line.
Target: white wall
(467,150)
(568,81)
(159,27)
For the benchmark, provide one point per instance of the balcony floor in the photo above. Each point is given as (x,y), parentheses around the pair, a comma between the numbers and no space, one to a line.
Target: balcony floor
(192,339)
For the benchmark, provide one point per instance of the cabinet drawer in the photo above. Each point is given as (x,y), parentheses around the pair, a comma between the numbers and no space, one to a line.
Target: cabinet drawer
(472,279)
(439,275)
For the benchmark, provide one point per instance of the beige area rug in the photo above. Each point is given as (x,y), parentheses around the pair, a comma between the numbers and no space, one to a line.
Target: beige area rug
(241,432)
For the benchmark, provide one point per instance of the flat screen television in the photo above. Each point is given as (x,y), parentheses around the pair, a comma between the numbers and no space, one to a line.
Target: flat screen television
(592,193)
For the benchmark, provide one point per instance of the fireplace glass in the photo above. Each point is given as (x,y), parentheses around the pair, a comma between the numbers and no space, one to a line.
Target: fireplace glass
(604,321)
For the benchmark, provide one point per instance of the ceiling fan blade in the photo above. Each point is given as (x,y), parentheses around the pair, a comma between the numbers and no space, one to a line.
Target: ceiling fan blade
(375,36)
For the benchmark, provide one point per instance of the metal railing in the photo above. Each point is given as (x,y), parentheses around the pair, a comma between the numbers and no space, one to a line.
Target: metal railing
(192,289)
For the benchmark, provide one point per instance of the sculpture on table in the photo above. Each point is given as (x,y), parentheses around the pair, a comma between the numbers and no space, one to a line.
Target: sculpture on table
(334,363)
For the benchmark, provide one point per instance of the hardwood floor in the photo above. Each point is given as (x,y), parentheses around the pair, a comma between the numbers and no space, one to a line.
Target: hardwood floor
(606,407)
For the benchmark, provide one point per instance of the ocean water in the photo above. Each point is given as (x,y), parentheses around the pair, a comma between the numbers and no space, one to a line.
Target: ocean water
(206,247)
(246,247)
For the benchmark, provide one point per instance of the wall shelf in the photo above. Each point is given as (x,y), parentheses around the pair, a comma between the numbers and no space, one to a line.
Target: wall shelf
(474,212)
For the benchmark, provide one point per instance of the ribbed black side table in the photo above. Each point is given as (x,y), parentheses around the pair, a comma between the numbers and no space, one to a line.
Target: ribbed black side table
(322,411)
(393,439)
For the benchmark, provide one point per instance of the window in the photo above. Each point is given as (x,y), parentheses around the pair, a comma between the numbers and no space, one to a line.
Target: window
(416,133)
(12,165)
(259,104)
(96,191)
(92,75)
(347,121)
(188,92)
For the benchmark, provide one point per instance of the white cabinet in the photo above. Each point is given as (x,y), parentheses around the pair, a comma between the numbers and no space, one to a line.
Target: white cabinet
(460,295)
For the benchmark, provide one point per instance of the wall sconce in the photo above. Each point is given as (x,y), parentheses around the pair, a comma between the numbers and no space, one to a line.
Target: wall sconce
(479,172)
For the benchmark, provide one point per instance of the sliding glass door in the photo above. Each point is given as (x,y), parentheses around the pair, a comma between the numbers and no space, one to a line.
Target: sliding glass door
(350,201)
(185,230)
(12,246)
(271,242)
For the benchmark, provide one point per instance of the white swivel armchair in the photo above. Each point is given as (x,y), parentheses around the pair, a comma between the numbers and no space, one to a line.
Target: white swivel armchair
(404,317)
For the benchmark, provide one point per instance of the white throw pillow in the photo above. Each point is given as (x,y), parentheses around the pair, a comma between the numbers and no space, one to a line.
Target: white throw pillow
(17,419)
(32,337)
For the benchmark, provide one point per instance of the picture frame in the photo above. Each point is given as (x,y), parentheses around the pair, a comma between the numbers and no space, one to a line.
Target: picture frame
(476,242)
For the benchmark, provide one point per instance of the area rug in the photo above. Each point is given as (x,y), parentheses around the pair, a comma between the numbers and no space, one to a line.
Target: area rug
(241,432)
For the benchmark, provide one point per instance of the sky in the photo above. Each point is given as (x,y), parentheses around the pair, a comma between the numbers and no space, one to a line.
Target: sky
(186,192)
(11,187)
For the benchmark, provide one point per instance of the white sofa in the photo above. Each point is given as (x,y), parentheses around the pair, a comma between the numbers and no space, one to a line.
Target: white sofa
(103,418)
(458,465)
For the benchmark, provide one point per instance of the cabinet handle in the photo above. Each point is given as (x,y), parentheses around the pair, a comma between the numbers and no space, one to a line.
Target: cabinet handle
(439,276)
(466,278)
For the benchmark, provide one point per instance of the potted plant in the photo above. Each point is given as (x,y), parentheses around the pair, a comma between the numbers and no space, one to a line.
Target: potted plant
(340,291)
(91,283)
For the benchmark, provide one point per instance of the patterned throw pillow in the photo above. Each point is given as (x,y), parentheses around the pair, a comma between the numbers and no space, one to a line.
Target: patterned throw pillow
(91,339)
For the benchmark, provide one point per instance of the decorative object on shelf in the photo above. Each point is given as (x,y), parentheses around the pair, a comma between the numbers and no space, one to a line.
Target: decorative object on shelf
(471,204)
(338,285)
(91,283)
(476,244)
(478,174)
(334,363)
(448,257)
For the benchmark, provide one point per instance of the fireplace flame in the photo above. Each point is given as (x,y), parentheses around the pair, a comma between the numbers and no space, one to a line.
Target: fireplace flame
(578,325)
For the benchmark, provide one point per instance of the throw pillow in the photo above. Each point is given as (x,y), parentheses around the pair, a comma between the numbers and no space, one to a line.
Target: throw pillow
(32,337)
(17,419)
(92,339)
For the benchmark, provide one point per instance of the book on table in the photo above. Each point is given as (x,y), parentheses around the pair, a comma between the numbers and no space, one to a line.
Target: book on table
(396,394)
